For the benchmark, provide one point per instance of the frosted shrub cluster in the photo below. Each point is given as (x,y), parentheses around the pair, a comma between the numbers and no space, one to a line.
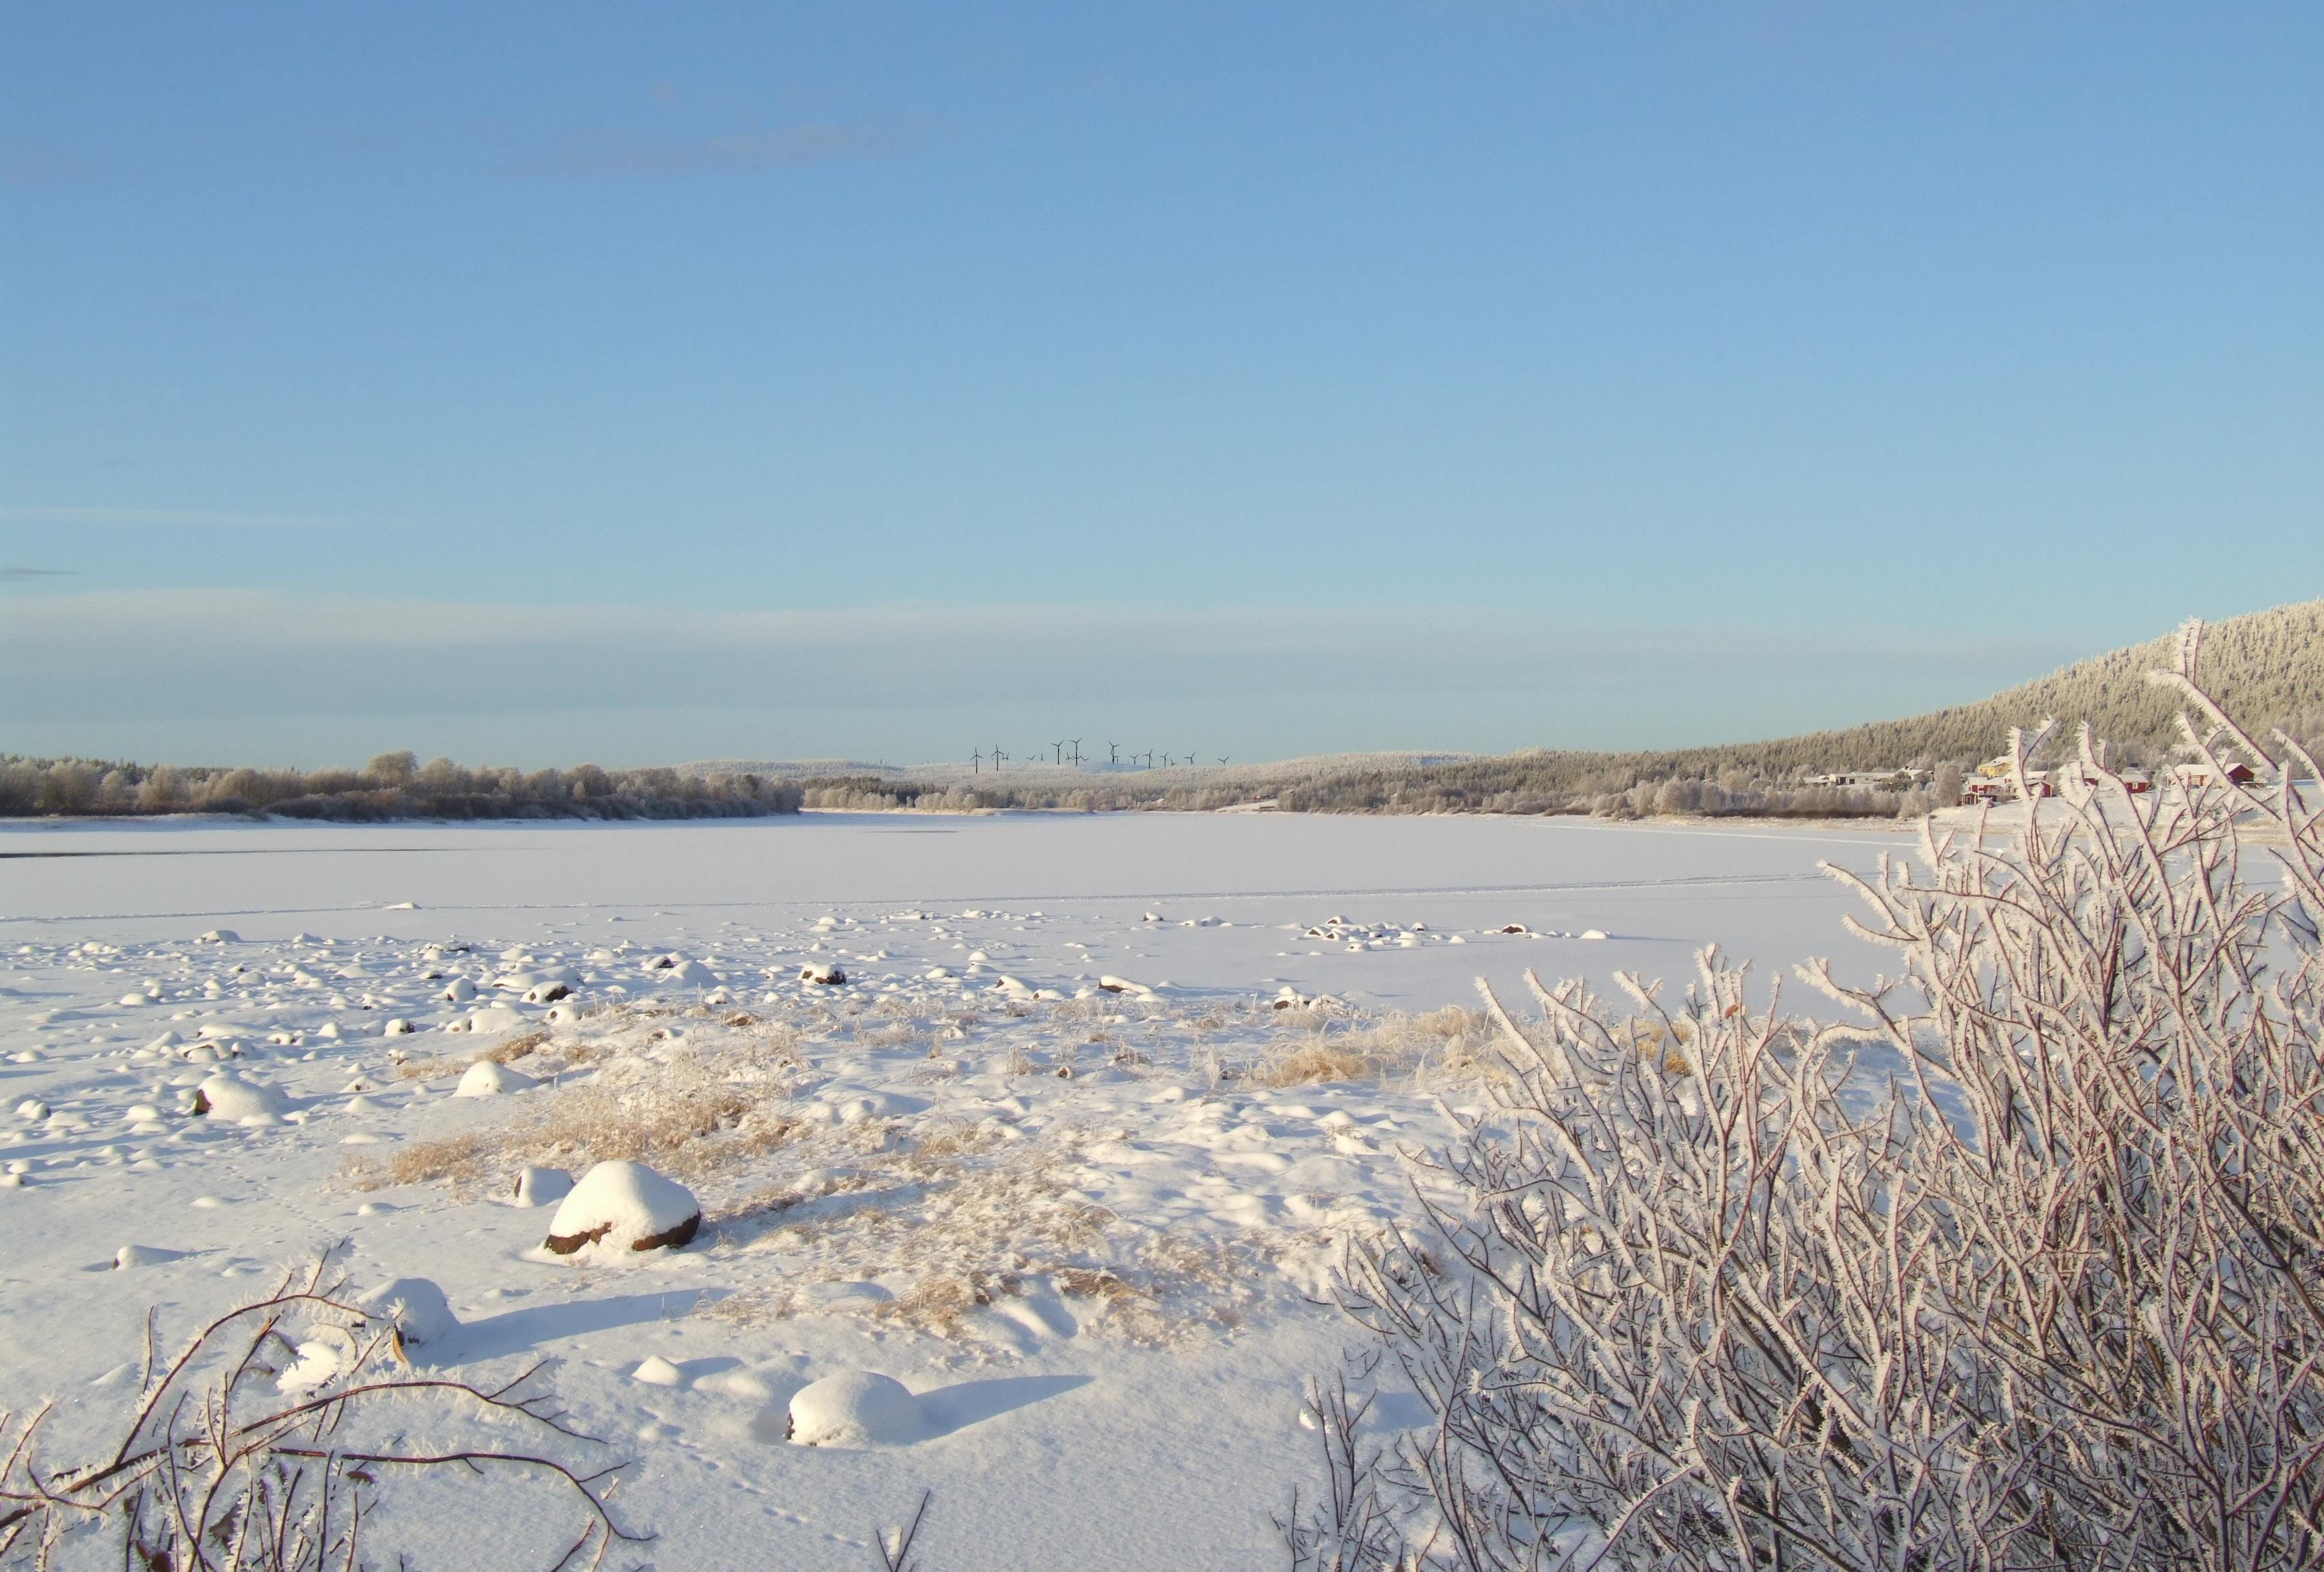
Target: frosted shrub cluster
(273,1441)
(2021,1268)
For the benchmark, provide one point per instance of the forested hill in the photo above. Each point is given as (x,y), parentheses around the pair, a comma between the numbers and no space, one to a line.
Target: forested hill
(2267,668)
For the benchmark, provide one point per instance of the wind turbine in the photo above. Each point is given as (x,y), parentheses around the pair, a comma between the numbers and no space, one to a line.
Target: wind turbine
(1077,752)
(1113,753)
(976,762)
(1060,747)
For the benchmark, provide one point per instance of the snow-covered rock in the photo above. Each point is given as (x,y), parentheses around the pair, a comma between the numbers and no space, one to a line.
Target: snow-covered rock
(680,972)
(1593,932)
(564,1012)
(624,1207)
(418,1307)
(486,1078)
(460,992)
(654,1370)
(130,1255)
(540,1187)
(396,1026)
(856,1408)
(220,936)
(824,972)
(491,1019)
(239,1101)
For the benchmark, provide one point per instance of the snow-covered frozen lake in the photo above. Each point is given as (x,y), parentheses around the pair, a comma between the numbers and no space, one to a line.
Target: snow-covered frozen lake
(1080,1223)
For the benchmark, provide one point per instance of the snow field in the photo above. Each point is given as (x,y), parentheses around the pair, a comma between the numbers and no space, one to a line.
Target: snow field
(1064,1159)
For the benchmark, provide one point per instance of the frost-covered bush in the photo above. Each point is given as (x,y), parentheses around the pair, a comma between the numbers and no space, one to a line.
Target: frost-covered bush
(274,1439)
(2023,1267)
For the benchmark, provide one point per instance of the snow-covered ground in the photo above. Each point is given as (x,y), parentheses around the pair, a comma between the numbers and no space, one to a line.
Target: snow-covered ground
(1083,1225)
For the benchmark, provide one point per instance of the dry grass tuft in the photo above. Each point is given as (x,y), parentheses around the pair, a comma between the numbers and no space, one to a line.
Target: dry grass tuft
(1393,1044)
(463,1159)
(683,1117)
(514,1049)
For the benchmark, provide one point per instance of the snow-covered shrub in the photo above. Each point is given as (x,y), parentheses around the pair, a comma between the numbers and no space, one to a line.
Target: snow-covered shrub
(274,1439)
(2022,1269)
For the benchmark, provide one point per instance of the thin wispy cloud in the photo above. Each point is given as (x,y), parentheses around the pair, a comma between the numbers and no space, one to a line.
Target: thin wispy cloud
(18,575)
(603,153)
(184,518)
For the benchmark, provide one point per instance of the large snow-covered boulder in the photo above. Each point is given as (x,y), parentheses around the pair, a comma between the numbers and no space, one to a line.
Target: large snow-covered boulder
(856,1408)
(458,991)
(485,1078)
(237,1101)
(418,1307)
(624,1206)
(679,972)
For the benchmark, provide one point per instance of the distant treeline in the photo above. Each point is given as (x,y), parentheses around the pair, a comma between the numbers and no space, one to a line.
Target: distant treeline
(393,786)
(2267,669)
(1415,791)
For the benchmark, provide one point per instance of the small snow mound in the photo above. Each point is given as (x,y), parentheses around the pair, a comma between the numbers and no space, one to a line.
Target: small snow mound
(546,993)
(486,1078)
(1113,984)
(223,1097)
(460,992)
(856,1408)
(684,973)
(220,936)
(1593,932)
(397,1026)
(824,972)
(540,1187)
(325,1353)
(418,1307)
(130,1255)
(624,1207)
(656,1371)
(492,1018)
(564,1012)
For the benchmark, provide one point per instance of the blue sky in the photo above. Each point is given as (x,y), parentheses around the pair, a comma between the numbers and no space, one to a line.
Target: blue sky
(534,383)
